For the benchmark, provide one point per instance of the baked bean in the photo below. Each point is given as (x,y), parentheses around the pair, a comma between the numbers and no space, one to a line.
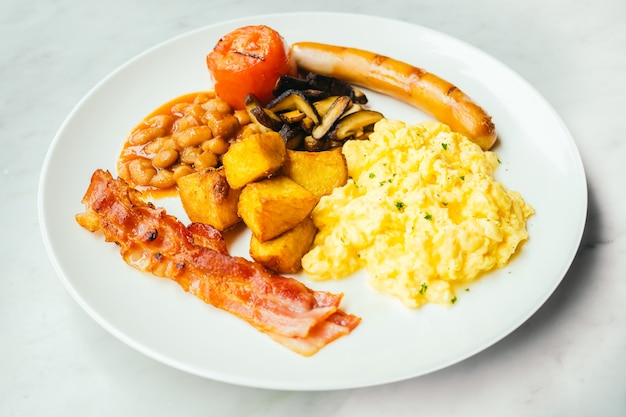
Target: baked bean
(123,170)
(165,158)
(184,123)
(212,116)
(226,128)
(189,155)
(193,136)
(243,116)
(206,159)
(178,109)
(202,98)
(163,179)
(143,136)
(153,147)
(216,145)
(141,171)
(196,111)
(169,143)
(218,105)
(182,170)
(249,130)
(164,121)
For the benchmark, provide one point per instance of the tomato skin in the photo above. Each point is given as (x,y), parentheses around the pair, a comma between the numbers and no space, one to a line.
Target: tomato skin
(247,60)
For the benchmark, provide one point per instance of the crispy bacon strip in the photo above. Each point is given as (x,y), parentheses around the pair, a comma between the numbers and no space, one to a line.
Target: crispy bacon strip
(337,325)
(196,257)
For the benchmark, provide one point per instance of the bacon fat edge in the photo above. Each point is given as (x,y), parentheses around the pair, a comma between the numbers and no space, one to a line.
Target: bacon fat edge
(196,257)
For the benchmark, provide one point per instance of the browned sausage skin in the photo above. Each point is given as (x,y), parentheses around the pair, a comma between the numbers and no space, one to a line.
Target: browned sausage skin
(442,100)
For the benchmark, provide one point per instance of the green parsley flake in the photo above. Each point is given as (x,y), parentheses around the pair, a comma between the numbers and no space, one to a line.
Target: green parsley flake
(453,300)
(462,177)
(400,205)
(423,288)
(428,216)
(444,146)
(372,175)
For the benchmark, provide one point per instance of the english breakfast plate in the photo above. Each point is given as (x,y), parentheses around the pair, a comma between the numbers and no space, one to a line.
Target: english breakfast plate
(392,343)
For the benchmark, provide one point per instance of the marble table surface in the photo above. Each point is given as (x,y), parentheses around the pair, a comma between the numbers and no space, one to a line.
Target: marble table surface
(568,359)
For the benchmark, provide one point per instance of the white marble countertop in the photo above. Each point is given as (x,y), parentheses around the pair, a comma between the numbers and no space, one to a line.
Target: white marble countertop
(569,359)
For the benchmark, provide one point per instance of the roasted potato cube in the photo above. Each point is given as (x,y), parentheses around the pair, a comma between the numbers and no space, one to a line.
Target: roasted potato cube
(253,157)
(318,172)
(207,198)
(271,207)
(284,253)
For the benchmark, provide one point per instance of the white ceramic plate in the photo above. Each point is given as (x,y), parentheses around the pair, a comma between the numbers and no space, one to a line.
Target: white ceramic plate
(154,316)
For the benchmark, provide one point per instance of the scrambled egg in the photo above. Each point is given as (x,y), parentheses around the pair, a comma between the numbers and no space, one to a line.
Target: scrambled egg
(421,212)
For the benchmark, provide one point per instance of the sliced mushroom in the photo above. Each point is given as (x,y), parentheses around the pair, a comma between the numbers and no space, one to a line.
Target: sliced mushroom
(335,86)
(293,116)
(353,109)
(293,135)
(331,84)
(315,95)
(334,113)
(261,115)
(354,124)
(287,82)
(292,100)
(324,104)
(358,96)
(314,145)
(307,125)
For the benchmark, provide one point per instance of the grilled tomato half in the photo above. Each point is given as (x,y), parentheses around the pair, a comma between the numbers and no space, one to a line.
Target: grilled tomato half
(247,60)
